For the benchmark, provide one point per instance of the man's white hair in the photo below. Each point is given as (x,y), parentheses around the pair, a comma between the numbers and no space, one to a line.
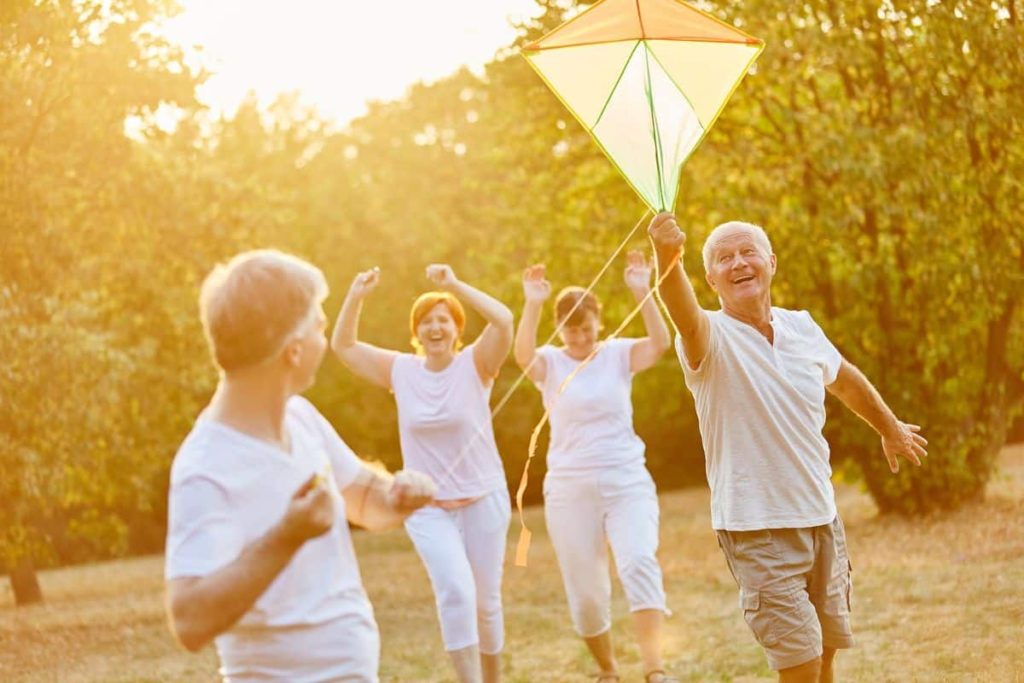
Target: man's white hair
(760,239)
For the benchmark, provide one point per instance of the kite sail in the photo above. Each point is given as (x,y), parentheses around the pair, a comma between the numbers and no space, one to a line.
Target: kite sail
(647,79)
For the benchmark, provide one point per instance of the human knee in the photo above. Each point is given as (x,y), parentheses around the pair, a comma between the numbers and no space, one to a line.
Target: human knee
(453,597)
(642,582)
(591,616)
(488,606)
(492,634)
(808,672)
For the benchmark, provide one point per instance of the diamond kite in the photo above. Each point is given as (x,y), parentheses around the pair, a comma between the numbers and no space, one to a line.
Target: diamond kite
(647,79)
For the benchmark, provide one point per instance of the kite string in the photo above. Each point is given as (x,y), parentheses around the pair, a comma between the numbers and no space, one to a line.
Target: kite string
(523,545)
(464,451)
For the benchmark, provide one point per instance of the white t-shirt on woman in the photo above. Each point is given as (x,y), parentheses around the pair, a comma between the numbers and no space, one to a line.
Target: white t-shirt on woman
(444,425)
(592,420)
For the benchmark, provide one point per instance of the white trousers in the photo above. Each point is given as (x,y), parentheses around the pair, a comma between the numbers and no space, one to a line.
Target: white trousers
(587,512)
(464,553)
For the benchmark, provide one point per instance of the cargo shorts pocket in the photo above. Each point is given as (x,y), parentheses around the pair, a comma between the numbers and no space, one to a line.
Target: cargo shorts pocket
(758,617)
(849,589)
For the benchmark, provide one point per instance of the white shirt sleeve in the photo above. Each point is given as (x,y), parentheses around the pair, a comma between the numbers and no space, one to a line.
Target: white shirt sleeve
(399,369)
(621,350)
(345,464)
(546,355)
(201,534)
(824,349)
(713,333)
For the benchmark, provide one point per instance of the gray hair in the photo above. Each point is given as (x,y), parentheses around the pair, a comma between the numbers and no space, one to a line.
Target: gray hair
(760,238)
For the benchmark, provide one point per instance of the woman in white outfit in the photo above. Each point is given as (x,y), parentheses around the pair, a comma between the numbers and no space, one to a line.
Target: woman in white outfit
(443,394)
(597,491)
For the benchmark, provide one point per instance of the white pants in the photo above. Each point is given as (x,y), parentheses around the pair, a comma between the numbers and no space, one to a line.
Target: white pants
(585,512)
(464,553)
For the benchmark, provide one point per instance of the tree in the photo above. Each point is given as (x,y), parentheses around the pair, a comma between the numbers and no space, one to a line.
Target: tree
(72,72)
(879,144)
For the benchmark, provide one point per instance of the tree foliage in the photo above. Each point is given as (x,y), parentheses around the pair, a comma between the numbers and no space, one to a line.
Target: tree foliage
(887,162)
(878,143)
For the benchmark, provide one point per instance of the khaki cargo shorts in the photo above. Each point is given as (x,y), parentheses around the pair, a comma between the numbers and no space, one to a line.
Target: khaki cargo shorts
(794,589)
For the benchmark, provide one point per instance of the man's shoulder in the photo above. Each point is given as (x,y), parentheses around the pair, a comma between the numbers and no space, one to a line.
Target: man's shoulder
(300,406)
(214,451)
(799,320)
(300,411)
(790,314)
(198,453)
(715,317)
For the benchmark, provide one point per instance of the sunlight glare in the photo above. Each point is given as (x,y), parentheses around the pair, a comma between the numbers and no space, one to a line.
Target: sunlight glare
(338,54)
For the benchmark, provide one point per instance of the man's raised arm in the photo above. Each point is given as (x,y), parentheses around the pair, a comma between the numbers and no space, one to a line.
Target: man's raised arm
(676,292)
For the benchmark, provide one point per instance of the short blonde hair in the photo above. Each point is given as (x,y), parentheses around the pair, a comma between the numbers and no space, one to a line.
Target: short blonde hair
(427,301)
(760,238)
(251,305)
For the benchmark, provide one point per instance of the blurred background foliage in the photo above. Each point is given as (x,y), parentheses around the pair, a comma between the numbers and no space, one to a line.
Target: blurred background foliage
(879,143)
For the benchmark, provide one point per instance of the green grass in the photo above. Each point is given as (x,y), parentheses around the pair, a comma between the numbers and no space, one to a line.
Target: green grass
(936,599)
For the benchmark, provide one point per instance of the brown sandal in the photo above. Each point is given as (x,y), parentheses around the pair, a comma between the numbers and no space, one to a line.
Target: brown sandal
(659,676)
(607,678)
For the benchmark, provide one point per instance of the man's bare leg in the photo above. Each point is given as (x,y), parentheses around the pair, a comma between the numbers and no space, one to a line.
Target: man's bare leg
(827,658)
(808,672)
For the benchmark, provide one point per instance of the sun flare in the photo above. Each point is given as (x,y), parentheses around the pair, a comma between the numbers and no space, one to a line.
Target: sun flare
(338,54)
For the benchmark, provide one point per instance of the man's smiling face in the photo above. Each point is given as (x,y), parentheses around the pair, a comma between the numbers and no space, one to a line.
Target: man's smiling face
(740,269)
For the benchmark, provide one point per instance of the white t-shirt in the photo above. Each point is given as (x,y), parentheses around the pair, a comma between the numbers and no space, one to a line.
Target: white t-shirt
(592,420)
(761,409)
(314,622)
(444,425)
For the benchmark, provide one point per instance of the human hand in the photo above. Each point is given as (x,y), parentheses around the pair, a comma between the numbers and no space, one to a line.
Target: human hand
(310,512)
(666,236)
(536,288)
(410,491)
(905,441)
(365,282)
(442,275)
(638,272)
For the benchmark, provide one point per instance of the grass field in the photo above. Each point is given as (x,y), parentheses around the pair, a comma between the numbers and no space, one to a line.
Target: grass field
(938,599)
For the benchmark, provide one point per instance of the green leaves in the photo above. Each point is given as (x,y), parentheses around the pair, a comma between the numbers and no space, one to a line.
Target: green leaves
(883,160)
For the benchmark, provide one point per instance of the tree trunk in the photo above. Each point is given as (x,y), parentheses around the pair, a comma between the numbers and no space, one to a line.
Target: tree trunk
(25,583)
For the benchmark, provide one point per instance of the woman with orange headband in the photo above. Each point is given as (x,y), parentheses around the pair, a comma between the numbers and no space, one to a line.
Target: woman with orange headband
(444,421)
(597,491)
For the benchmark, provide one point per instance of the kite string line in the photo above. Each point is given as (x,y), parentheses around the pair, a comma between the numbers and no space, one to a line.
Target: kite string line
(523,545)
(464,451)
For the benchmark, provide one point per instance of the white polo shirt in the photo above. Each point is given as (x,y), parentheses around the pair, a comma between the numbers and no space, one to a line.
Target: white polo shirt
(761,409)
(314,622)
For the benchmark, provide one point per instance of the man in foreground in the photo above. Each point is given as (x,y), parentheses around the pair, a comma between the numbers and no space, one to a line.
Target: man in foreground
(758,375)
(259,555)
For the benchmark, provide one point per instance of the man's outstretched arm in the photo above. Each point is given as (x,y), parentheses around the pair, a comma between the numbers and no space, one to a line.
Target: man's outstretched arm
(859,395)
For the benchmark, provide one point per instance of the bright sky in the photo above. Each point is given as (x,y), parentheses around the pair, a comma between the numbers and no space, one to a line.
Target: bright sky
(339,53)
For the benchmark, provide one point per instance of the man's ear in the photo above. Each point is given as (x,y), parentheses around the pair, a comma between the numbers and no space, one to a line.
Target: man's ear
(292,354)
(711,283)
(774,263)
